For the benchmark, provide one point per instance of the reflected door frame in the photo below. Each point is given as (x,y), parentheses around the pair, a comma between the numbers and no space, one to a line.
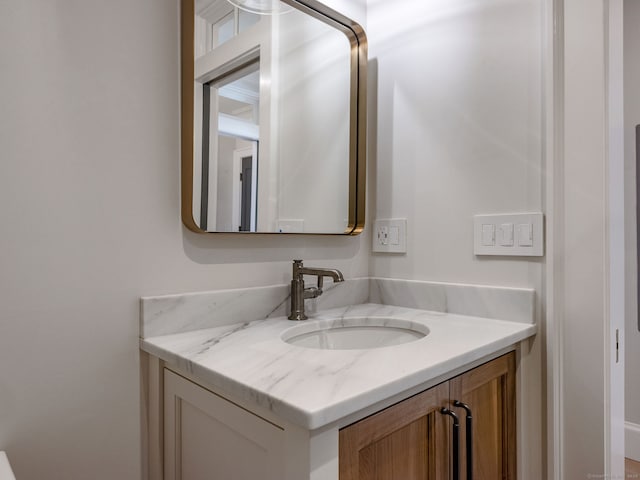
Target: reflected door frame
(238,156)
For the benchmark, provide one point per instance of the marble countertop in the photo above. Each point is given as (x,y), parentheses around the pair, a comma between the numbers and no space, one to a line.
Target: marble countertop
(313,388)
(5,469)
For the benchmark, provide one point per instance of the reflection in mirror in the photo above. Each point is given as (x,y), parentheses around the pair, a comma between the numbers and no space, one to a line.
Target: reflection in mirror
(230,110)
(277,121)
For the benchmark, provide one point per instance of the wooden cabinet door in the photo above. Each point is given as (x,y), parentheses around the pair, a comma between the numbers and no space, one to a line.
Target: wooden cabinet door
(489,392)
(407,441)
(207,437)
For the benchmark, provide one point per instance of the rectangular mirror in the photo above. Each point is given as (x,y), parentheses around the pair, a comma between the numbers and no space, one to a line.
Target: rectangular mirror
(273,119)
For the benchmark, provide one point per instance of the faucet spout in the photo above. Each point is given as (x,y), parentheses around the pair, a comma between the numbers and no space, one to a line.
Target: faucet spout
(336,275)
(298,290)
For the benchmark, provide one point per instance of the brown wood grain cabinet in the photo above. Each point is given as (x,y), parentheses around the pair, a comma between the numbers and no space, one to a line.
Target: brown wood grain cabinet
(412,440)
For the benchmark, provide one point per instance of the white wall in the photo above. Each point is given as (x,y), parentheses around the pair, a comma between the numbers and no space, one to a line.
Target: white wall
(89,201)
(224,187)
(587,240)
(457,131)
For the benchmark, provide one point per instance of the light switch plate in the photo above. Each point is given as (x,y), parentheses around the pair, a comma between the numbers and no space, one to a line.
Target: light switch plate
(390,235)
(488,235)
(525,235)
(512,232)
(505,237)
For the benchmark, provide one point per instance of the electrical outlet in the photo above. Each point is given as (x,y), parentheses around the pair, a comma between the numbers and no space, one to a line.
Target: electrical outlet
(390,235)
(382,235)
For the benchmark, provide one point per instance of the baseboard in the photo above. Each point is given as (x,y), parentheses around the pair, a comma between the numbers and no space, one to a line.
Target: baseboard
(632,441)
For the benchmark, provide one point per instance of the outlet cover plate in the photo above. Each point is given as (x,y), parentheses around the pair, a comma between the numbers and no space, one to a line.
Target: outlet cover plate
(389,235)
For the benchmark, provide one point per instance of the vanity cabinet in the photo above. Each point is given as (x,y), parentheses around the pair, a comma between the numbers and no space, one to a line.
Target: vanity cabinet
(197,434)
(206,436)
(413,439)
(489,391)
(407,441)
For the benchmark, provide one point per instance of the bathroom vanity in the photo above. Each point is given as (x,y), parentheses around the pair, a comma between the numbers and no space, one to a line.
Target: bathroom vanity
(245,400)
(206,433)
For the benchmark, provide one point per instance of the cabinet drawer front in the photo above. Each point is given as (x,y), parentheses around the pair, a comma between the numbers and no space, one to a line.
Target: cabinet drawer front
(208,437)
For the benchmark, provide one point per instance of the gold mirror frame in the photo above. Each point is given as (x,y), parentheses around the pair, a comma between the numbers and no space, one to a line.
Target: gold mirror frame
(357,111)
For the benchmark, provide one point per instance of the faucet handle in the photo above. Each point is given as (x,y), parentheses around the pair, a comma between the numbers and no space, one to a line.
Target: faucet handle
(297,265)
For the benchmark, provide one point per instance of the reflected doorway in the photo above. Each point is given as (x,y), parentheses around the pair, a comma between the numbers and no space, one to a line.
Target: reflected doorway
(245,188)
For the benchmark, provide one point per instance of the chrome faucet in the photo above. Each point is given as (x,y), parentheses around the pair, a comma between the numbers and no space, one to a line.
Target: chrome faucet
(299,293)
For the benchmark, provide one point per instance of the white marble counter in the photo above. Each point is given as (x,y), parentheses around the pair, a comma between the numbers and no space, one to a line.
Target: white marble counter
(313,388)
(5,469)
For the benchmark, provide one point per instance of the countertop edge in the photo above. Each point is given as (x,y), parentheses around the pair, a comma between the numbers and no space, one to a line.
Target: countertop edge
(312,420)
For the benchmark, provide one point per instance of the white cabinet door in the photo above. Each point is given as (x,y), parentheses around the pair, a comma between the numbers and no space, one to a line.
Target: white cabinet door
(208,437)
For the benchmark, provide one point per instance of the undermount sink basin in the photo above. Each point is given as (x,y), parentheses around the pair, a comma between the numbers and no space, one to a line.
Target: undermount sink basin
(354,333)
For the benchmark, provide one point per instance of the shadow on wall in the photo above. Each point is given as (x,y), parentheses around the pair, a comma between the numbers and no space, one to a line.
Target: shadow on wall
(256,248)
(372,141)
